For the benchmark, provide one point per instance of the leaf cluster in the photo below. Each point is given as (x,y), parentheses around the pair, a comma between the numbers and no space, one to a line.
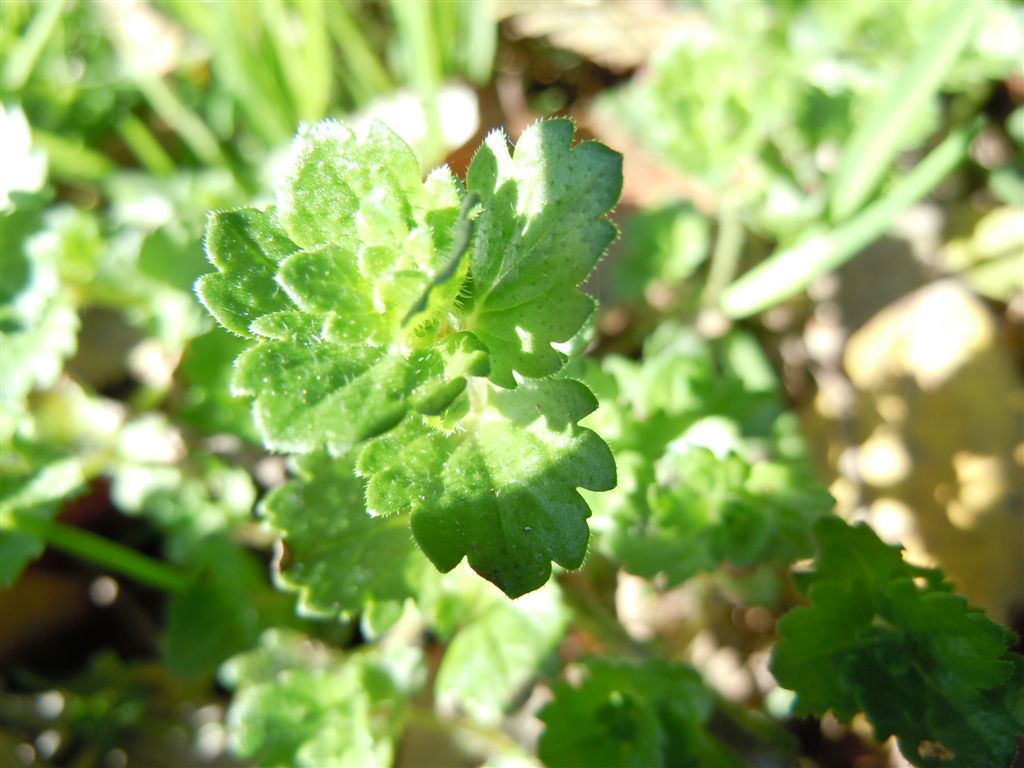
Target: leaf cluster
(300,703)
(411,345)
(632,714)
(408,328)
(888,639)
(710,470)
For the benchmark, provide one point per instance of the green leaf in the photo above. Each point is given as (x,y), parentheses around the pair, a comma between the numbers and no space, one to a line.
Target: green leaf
(326,281)
(499,647)
(34,491)
(168,255)
(222,612)
(38,324)
(704,510)
(645,715)
(341,186)
(372,298)
(246,246)
(706,474)
(205,372)
(337,557)
(297,703)
(661,248)
(501,489)
(709,105)
(883,132)
(672,532)
(888,639)
(540,231)
(312,391)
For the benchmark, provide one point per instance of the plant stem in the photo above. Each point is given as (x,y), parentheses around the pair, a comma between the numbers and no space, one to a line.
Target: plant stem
(416,25)
(427,719)
(764,732)
(144,146)
(879,137)
(791,269)
(70,159)
(21,60)
(365,75)
(593,617)
(103,552)
(183,121)
(726,257)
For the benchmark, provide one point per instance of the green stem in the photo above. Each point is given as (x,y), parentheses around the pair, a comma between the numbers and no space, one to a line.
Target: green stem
(480,39)
(592,616)
(181,119)
(70,159)
(726,257)
(791,269)
(365,74)
(764,732)
(427,719)
(22,59)
(879,137)
(103,552)
(416,26)
(145,146)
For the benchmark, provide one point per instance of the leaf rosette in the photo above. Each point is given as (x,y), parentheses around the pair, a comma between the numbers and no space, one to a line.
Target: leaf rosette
(399,320)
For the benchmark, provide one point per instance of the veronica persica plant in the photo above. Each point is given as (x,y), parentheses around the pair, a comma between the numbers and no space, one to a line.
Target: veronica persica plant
(412,330)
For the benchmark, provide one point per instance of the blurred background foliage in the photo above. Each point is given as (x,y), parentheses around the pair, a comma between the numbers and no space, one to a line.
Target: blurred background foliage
(821,271)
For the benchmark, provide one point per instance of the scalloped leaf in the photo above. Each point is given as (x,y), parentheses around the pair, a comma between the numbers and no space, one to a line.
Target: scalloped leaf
(246,246)
(888,639)
(501,489)
(299,703)
(634,715)
(325,281)
(362,267)
(540,231)
(499,645)
(377,298)
(334,550)
(702,511)
(310,392)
